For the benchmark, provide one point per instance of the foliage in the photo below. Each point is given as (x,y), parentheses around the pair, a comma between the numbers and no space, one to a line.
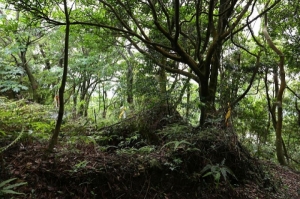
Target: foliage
(5,188)
(79,166)
(9,78)
(121,154)
(215,54)
(32,119)
(177,144)
(12,143)
(217,171)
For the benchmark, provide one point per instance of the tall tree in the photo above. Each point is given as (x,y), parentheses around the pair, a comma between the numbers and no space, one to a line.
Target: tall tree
(200,26)
(54,138)
(20,39)
(174,23)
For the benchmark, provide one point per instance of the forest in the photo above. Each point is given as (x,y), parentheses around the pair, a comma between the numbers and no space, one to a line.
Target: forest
(160,99)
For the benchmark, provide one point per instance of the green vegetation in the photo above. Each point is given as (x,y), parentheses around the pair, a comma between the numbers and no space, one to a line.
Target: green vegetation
(149,99)
(7,189)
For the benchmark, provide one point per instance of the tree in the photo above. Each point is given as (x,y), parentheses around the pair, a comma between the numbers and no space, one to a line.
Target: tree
(53,140)
(283,34)
(19,40)
(279,96)
(191,33)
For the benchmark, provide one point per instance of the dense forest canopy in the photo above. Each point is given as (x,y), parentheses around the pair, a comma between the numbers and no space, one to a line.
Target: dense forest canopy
(228,63)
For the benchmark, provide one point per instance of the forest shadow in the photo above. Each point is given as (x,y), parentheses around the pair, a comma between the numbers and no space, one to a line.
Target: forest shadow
(150,155)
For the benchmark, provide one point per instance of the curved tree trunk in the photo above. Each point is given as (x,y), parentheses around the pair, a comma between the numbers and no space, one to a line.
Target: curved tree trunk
(25,65)
(279,96)
(32,80)
(54,138)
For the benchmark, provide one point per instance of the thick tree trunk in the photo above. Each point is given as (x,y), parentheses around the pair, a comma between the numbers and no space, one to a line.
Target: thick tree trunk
(207,105)
(209,83)
(161,79)
(215,66)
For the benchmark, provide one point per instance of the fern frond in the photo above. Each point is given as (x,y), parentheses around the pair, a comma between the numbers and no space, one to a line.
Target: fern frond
(13,142)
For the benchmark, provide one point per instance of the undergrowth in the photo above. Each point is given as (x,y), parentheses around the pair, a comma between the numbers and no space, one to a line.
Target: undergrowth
(127,159)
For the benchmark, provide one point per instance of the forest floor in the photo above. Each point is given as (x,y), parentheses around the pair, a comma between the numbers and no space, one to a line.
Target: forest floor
(150,156)
(84,172)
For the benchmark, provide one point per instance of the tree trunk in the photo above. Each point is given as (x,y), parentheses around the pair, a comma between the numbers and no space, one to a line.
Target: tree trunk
(188,97)
(47,61)
(215,66)
(75,95)
(129,78)
(82,97)
(104,96)
(279,96)
(87,99)
(32,80)
(209,83)
(161,79)
(54,138)
(181,94)
(206,102)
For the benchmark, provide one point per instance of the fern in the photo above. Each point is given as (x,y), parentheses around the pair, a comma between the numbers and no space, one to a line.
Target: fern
(13,142)
(217,171)
(177,144)
(8,189)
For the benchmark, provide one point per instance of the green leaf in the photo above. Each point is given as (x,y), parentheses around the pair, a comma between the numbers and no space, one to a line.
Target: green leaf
(2,132)
(207,167)
(230,172)
(207,174)
(15,185)
(217,177)
(10,192)
(223,162)
(7,181)
(177,144)
(224,173)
